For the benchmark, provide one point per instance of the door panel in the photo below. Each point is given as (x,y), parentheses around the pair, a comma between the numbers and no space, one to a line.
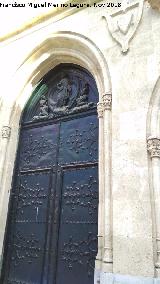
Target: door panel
(27,253)
(38,147)
(51,233)
(77,246)
(78,141)
(29,222)
(32,204)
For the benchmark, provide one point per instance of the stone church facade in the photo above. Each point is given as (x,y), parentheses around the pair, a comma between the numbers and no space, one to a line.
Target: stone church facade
(118,45)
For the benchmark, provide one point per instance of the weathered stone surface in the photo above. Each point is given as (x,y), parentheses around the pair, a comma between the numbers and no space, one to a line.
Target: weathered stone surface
(155,4)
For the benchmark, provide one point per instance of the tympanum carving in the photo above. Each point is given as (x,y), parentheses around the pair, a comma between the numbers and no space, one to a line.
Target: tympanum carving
(44,111)
(66,98)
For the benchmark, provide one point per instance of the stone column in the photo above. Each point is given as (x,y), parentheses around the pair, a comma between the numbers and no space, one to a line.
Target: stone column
(108,255)
(153,147)
(5,135)
(100,110)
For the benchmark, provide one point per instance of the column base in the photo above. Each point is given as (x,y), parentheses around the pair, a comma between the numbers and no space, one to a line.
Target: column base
(157,270)
(107,266)
(101,277)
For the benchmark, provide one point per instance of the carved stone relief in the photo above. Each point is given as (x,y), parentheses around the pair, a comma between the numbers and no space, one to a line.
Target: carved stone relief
(106,104)
(100,110)
(153,146)
(6,132)
(107,101)
(63,100)
(124,21)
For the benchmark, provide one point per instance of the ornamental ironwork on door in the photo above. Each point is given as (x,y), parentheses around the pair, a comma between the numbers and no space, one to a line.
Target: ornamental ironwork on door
(51,232)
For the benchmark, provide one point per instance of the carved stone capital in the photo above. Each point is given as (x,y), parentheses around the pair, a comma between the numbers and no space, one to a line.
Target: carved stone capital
(6,132)
(105,104)
(107,101)
(155,4)
(100,109)
(153,146)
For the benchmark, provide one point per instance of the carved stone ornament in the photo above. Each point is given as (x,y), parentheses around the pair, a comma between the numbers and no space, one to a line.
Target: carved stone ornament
(6,132)
(155,4)
(62,101)
(124,21)
(105,104)
(107,101)
(100,110)
(153,146)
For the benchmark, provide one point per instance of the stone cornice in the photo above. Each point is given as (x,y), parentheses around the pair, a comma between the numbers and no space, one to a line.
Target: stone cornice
(55,14)
(155,4)
(153,146)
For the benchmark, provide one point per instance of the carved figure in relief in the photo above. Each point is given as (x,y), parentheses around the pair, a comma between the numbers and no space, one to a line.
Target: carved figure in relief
(43,106)
(64,92)
(83,97)
(44,110)
(59,99)
(66,97)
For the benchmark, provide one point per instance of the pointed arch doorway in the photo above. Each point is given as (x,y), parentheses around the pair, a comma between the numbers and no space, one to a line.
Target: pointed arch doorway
(51,234)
